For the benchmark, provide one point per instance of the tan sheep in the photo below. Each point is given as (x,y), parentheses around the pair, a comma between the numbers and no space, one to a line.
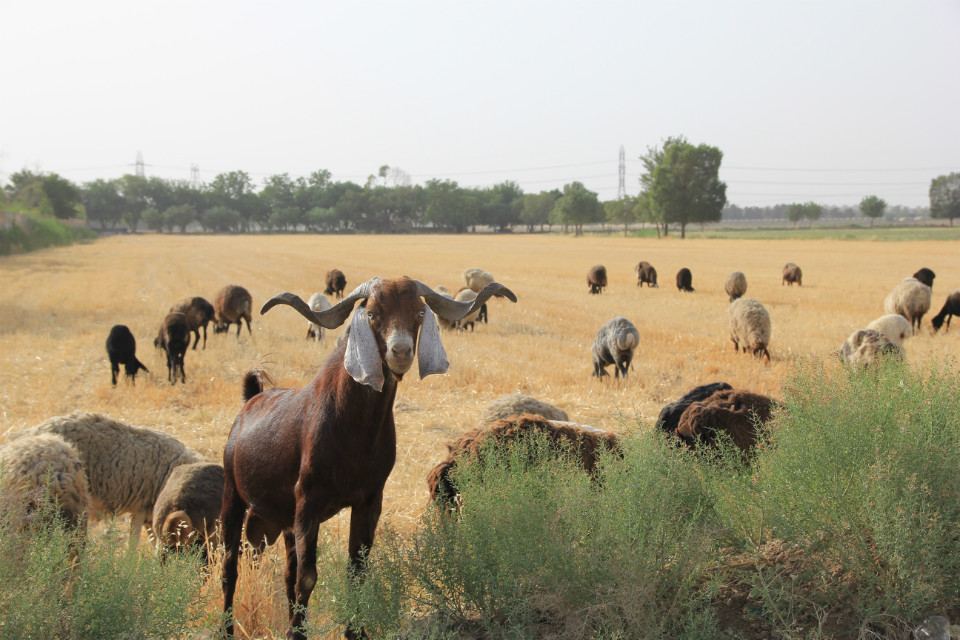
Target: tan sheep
(749,326)
(514,404)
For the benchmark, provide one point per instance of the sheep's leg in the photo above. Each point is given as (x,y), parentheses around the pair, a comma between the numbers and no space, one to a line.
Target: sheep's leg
(231,518)
(136,523)
(204,336)
(196,337)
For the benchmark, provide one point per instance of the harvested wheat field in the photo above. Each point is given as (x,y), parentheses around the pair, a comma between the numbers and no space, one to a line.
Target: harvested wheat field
(57,307)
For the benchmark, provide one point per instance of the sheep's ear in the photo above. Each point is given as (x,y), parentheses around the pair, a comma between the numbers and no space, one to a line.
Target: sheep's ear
(431,357)
(362,358)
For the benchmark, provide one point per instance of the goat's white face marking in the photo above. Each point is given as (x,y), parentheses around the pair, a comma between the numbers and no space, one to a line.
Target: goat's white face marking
(400,348)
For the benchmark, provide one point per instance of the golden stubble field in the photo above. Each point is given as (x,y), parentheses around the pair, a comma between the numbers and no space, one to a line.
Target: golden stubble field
(57,306)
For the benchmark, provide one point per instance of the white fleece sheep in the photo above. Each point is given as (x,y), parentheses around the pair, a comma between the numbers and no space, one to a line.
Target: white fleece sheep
(735,285)
(911,299)
(317,302)
(126,466)
(477,279)
(866,346)
(894,327)
(44,466)
(514,404)
(749,326)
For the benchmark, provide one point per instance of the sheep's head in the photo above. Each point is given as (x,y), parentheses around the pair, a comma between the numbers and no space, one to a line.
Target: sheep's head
(386,325)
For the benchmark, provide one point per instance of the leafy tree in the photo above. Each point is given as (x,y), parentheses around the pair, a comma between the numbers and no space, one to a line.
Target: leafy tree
(797,212)
(683,183)
(285,218)
(500,205)
(62,196)
(319,219)
(536,207)
(103,202)
(279,192)
(220,219)
(812,211)
(578,206)
(153,219)
(235,190)
(449,206)
(945,197)
(873,207)
(620,211)
(179,215)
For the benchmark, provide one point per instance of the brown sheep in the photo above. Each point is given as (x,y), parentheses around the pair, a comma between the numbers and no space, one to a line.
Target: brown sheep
(597,278)
(336,283)
(950,308)
(739,414)
(685,280)
(199,313)
(792,275)
(585,443)
(232,304)
(646,274)
(174,339)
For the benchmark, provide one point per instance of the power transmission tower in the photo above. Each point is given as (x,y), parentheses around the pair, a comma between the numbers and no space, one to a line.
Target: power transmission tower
(195,176)
(622,188)
(140,172)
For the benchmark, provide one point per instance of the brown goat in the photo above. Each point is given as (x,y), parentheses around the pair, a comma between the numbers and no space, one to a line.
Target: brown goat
(199,314)
(584,443)
(232,304)
(174,339)
(336,283)
(597,278)
(792,274)
(736,413)
(296,457)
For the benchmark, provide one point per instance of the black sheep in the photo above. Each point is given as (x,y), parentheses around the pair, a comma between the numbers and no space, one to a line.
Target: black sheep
(122,349)
(684,280)
(950,308)
(174,339)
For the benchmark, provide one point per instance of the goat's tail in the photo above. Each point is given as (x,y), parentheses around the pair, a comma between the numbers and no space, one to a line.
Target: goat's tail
(254,382)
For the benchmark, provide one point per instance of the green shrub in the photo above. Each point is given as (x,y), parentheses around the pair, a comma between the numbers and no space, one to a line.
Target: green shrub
(35,231)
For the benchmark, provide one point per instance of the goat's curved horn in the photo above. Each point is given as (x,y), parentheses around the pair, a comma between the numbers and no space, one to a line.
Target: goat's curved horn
(452,310)
(330,318)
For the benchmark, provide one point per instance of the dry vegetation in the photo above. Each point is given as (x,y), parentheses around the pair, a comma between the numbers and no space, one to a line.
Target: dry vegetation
(57,307)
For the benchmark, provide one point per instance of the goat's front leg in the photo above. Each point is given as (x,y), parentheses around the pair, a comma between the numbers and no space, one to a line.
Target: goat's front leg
(363,526)
(305,531)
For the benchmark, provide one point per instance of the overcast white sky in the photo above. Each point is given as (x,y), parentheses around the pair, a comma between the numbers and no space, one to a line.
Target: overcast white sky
(826,101)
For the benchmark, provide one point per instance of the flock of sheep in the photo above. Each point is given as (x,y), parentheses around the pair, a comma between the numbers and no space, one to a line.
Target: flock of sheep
(296,457)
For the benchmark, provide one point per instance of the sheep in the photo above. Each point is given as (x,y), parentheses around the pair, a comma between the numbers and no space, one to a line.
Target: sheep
(864,347)
(232,304)
(685,280)
(477,279)
(336,283)
(894,327)
(122,349)
(614,344)
(646,274)
(925,276)
(735,285)
(296,457)
(669,418)
(126,466)
(44,467)
(583,443)
(186,510)
(317,302)
(199,313)
(514,404)
(749,326)
(911,299)
(466,295)
(174,339)
(597,278)
(792,274)
(739,414)
(950,308)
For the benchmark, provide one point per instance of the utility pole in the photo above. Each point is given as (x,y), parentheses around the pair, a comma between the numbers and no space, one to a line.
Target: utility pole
(622,188)
(195,176)
(140,171)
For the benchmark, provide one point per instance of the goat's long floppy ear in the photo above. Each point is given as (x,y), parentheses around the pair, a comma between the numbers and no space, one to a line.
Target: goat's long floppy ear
(362,358)
(452,310)
(330,318)
(431,358)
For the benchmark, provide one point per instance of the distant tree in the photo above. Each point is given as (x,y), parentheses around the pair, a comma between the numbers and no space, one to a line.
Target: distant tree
(285,218)
(320,219)
(643,211)
(220,219)
(500,205)
(235,190)
(535,208)
(621,211)
(873,207)
(945,197)
(683,183)
(795,213)
(62,196)
(809,210)
(279,192)
(812,211)
(103,202)
(449,206)
(578,206)
(153,219)
(179,215)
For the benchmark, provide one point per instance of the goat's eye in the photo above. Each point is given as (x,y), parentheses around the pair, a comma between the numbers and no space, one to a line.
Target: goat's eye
(370,317)
(421,313)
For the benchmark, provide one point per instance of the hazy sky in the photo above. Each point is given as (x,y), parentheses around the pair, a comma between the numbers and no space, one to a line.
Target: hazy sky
(825,101)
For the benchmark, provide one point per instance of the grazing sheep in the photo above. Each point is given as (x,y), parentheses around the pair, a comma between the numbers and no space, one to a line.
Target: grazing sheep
(514,404)
(199,313)
(174,339)
(297,457)
(584,443)
(477,279)
(739,414)
(614,344)
(894,327)
(735,285)
(646,274)
(669,418)
(925,276)
(749,326)
(317,302)
(950,308)
(466,295)
(866,346)
(126,466)
(685,280)
(40,467)
(232,304)
(792,275)
(597,278)
(336,283)
(911,299)
(122,349)
(186,511)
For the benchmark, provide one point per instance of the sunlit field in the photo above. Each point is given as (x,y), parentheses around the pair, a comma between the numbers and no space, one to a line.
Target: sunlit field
(57,307)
